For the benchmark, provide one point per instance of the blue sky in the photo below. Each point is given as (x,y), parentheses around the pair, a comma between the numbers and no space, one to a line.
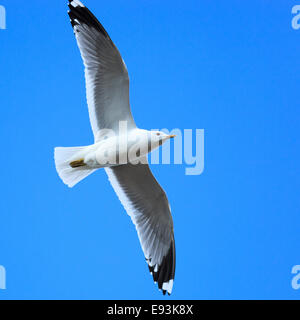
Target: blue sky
(229,67)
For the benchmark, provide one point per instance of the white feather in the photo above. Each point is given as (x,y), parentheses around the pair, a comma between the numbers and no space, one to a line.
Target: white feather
(70,176)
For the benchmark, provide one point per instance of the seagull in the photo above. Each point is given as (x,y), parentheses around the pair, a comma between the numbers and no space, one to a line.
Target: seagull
(107,91)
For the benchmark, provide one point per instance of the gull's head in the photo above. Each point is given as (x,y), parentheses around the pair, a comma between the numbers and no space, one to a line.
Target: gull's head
(159,137)
(150,140)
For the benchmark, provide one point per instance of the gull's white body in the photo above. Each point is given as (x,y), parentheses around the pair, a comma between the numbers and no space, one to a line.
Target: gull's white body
(134,144)
(123,153)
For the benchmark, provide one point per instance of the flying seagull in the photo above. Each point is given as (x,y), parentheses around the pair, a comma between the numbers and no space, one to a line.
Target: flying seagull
(107,90)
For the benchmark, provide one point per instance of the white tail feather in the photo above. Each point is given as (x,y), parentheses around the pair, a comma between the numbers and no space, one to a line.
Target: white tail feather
(70,176)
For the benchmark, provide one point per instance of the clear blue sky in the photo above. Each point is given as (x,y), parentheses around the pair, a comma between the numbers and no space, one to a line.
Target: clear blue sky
(229,67)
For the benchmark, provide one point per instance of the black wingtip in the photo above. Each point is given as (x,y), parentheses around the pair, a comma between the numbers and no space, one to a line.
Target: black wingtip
(165,271)
(79,14)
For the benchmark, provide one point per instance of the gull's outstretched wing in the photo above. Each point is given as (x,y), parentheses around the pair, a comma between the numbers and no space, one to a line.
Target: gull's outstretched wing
(107,82)
(148,206)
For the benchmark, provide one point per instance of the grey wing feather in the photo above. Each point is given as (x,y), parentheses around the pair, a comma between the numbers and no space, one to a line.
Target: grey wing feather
(107,81)
(147,204)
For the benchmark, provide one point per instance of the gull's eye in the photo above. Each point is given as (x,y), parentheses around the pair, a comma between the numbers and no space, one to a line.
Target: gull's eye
(158,134)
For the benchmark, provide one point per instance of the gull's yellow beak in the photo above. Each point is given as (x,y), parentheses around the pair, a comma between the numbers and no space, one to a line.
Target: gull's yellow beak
(172,136)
